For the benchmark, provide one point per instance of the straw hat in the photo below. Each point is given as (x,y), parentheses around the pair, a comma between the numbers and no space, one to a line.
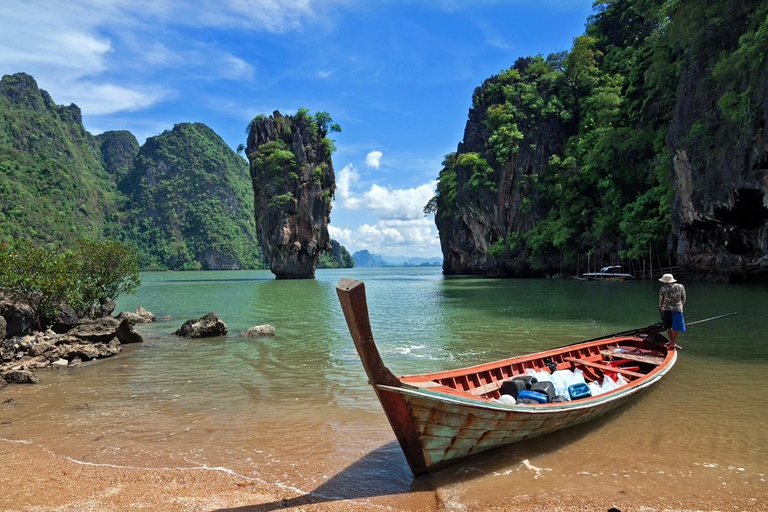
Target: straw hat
(667,278)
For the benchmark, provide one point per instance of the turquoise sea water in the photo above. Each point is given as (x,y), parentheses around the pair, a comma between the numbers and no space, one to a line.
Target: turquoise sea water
(296,409)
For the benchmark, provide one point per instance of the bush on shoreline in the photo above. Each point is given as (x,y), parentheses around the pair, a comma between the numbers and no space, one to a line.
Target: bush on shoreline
(81,278)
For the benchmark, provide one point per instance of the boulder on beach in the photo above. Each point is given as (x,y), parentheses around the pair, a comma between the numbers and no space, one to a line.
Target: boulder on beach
(2,383)
(103,330)
(140,316)
(207,326)
(89,351)
(259,330)
(146,315)
(20,319)
(20,377)
(66,319)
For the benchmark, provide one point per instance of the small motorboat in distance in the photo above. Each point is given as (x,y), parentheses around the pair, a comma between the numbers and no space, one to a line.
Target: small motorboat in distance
(441,418)
(612,273)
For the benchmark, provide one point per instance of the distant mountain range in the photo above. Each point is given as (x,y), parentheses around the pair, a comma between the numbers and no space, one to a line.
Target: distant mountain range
(366,259)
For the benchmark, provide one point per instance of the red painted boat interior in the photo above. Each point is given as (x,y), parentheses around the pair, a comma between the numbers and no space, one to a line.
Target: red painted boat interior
(632,357)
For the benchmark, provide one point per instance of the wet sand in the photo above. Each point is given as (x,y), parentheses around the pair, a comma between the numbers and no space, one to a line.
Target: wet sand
(35,478)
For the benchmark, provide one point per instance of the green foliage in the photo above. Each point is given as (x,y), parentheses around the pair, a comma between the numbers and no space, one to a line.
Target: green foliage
(53,184)
(482,174)
(280,200)
(191,201)
(274,159)
(445,201)
(337,257)
(329,146)
(45,280)
(102,270)
(34,276)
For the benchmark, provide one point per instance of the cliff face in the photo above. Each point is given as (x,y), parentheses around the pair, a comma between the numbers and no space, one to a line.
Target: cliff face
(293,186)
(488,199)
(647,139)
(190,204)
(718,143)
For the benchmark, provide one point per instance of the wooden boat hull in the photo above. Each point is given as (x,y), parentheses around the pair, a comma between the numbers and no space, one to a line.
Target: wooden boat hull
(450,429)
(444,417)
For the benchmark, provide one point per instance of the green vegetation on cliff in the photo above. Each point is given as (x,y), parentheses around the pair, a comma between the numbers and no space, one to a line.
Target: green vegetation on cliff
(337,257)
(606,185)
(191,203)
(53,186)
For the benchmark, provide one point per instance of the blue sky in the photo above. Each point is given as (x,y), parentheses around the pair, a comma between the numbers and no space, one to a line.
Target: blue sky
(397,75)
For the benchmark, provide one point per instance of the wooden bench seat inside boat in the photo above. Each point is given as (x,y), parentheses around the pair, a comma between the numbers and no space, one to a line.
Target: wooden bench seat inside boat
(621,353)
(604,367)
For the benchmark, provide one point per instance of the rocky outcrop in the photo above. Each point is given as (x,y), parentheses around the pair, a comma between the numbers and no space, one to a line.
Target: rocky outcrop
(3,325)
(718,142)
(654,147)
(293,185)
(20,377)
(20,319)
(90,339)
(485,212)
(207,326)
(140,316)
(259,331)
(66,319)
(103,330)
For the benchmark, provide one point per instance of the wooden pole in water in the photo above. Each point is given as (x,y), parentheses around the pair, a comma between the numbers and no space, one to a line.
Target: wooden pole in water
(650,259)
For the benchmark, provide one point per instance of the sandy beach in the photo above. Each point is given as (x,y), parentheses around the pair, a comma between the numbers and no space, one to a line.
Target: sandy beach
(34,478)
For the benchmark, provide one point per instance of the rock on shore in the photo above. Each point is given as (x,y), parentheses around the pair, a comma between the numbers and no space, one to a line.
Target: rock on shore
(207,326)
(89,339)
(258,331)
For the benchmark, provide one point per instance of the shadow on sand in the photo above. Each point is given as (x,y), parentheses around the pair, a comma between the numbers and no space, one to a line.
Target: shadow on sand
(384,471)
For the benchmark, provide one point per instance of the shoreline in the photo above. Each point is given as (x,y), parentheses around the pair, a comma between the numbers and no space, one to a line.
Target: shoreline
(35,478)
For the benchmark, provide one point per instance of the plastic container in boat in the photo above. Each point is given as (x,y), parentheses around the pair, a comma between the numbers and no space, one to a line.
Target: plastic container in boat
(533,395)
(545,387)
(513,387)
(580,390)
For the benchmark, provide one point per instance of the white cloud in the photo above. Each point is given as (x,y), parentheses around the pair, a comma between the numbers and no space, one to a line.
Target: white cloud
(235,67)
(61,47)
(324,74)
(400,228)
(100,99)
(343,236)
(347,177)
(405,203)
(373,159)
(391,238)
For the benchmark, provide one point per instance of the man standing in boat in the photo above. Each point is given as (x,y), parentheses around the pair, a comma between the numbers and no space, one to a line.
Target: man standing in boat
(671,302)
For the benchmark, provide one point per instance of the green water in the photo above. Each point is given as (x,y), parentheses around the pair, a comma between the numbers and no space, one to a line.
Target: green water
(296,409)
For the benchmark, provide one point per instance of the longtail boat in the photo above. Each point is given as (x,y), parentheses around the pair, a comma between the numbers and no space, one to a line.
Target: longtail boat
(443,417)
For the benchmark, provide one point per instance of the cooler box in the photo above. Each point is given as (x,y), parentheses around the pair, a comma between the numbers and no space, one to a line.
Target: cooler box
(579,390)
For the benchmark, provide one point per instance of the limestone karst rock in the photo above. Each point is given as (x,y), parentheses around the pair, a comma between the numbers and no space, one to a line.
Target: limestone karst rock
(293,185)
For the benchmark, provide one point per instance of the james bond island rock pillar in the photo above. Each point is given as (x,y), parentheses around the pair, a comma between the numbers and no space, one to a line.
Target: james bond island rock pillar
(293,185)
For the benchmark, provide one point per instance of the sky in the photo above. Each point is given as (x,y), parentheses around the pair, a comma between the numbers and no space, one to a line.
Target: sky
(397,75)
